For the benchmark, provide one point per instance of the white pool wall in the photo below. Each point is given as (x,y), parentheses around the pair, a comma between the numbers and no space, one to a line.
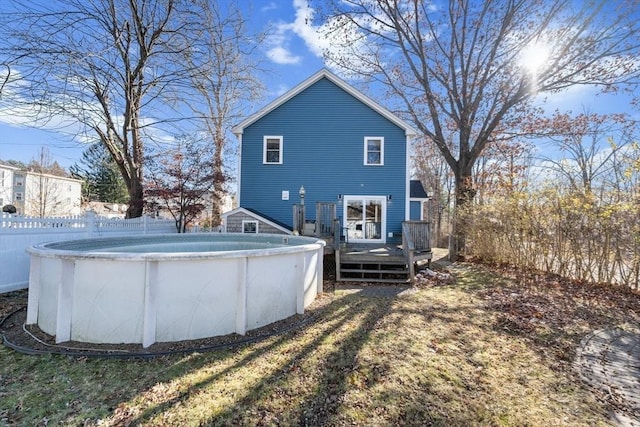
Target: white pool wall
(97,296)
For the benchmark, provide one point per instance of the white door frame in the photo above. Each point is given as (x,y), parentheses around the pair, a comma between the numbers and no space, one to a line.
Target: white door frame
(383,220)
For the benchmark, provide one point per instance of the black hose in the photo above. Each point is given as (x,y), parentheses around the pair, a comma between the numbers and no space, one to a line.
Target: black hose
(109,354)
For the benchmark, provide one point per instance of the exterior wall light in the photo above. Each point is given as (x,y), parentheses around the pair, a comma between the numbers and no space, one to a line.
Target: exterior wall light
(302,193)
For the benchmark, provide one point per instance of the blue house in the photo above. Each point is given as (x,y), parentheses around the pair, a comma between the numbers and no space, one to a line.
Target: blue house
(337,145)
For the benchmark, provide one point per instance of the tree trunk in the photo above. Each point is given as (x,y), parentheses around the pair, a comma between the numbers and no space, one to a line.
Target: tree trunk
(136,198)
(217,198)
(465,193)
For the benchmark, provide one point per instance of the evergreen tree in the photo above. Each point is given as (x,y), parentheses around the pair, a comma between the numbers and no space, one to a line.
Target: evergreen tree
(102,180)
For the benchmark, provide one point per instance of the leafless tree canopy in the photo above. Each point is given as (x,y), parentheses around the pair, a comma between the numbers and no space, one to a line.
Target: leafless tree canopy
(225,79)
(463,68)
(113,69)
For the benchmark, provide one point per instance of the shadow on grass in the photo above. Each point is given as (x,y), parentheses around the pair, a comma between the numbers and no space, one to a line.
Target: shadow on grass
(330,320)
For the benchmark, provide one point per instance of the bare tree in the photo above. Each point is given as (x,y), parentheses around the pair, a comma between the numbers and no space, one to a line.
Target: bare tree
(432,170)
(589,146)
(4,78)
(109,67)
(223,77)
(465,70)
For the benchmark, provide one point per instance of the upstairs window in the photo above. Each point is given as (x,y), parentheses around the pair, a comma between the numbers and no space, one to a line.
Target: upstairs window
(272,150)
(374,151)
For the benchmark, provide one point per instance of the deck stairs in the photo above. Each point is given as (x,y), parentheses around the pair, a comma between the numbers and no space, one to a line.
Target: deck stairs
(378,271)
(385,263)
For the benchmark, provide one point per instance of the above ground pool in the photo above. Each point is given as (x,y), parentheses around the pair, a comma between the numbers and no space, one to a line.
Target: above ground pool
(173,287)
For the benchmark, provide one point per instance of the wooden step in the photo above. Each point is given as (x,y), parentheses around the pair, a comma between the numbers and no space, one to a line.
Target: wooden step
(358,270)
(367,267)
(355,279)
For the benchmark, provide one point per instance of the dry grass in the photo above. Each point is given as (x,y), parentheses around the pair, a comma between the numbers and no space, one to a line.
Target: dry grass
(438,356)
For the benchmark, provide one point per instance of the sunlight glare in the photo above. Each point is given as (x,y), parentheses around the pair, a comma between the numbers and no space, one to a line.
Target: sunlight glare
(534,56)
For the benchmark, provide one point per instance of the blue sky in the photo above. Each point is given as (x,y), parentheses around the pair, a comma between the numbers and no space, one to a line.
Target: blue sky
(292,52)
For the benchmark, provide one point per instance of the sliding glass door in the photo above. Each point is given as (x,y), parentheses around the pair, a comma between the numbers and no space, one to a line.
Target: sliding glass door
(364,218)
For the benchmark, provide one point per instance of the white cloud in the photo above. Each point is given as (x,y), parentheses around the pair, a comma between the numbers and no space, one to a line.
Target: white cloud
(317,40)
(280,50)
(281,55)
(269,6)
(303,28)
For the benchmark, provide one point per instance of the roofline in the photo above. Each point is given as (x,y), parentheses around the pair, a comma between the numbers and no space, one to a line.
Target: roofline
(10,167)
(324,73)
(48,175)
(21,171)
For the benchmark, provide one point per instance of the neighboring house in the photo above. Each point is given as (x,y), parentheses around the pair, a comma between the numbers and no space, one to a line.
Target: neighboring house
(338,144)
(106,210)
(7,184)
(243,220)
(39,194)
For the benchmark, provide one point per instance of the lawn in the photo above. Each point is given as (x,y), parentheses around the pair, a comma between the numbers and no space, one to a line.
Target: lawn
(485,349)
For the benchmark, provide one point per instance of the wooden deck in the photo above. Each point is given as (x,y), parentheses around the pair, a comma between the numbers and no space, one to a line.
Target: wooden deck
(370,261)
(372,253)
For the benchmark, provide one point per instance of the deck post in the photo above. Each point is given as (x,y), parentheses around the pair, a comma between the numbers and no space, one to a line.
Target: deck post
(336,245)
(337,254)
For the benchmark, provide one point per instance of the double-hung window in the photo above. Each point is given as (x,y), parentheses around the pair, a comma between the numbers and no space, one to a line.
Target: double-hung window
(374,151)
(272,151)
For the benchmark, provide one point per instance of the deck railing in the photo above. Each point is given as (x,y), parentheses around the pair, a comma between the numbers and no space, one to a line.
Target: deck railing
(299,218)
(324,222)
(416,243)
(325,217)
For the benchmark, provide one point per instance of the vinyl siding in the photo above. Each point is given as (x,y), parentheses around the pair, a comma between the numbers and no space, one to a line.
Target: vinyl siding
(415,210)
(323,130)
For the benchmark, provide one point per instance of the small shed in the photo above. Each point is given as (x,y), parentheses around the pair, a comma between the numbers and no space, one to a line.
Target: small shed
(418,196)
(245,220)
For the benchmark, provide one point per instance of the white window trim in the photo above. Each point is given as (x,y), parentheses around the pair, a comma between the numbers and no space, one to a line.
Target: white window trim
(264,149)
(366,152)
(383,231)
(249,221)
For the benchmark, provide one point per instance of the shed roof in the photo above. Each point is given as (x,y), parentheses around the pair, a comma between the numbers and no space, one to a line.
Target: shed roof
(259,216)
(324,73)
(416,190)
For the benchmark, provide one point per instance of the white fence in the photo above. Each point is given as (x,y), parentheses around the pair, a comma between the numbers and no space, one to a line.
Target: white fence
(18,233)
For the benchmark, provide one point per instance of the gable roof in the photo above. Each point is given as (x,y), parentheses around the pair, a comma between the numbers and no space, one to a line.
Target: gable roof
(324,73)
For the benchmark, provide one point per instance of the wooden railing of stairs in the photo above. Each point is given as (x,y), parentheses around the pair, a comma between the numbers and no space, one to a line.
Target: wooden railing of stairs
(416,244)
